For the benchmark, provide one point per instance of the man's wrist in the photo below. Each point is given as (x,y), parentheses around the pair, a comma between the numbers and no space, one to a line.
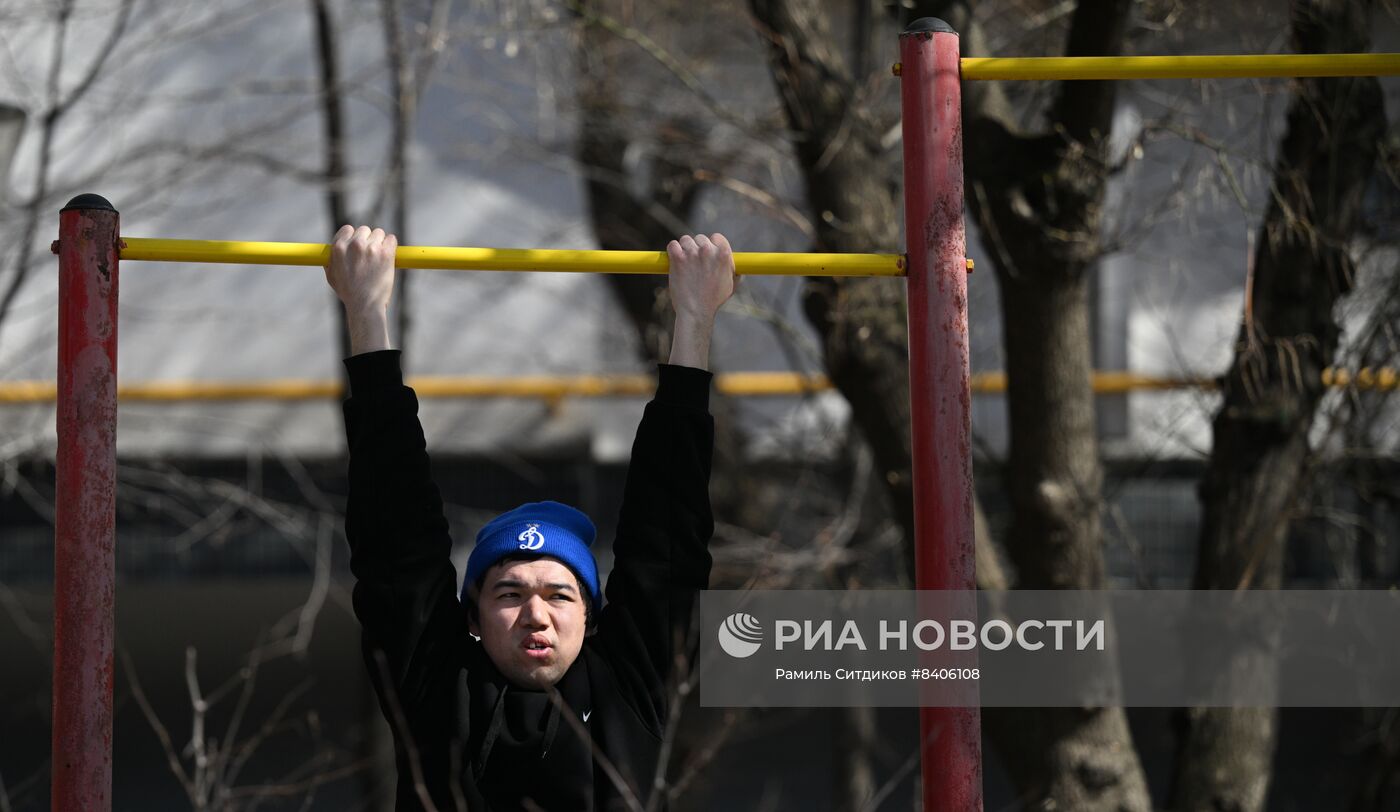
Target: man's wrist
(690,341)
(695,325)
(356,310)
(369,329)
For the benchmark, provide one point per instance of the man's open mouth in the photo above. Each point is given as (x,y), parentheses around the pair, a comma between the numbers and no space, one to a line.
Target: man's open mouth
(537,648)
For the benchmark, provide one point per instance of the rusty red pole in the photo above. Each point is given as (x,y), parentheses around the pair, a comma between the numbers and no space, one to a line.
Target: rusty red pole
(939,365)
(85,512)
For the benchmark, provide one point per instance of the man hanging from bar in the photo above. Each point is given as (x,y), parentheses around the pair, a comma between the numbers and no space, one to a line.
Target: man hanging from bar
(530,688)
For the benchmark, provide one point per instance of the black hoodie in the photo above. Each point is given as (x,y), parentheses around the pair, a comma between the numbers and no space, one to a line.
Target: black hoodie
(465,738)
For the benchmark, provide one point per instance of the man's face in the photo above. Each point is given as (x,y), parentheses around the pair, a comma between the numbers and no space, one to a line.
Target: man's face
(531,620)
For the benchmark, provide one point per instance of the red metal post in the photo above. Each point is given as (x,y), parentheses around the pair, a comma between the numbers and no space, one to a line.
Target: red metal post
(85,513)
(939,367)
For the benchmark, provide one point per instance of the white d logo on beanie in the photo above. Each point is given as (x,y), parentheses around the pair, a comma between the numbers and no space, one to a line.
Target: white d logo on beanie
(532,537)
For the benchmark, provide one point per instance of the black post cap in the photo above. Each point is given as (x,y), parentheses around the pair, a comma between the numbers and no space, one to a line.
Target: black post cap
(929,25)
(89,202)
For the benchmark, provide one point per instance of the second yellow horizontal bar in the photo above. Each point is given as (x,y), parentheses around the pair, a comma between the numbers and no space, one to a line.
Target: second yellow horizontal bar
(555,387)
(507,259)
(1193,66)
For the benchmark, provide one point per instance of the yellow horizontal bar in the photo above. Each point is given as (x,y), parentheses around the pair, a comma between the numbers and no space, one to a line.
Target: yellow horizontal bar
(547,387)
(1382,379)
(552,387)
(1104,383)
(507,259)
(1180,67)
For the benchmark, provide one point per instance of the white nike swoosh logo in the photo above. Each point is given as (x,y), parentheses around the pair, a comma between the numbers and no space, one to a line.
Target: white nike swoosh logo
(585,715)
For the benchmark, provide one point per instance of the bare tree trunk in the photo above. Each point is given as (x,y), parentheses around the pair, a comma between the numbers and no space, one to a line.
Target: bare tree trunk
(1053,472)
(1257,473)
(11,127)
(333,124)
(622,221)
(405,102)
(861,321)
(408,76)
(373,747)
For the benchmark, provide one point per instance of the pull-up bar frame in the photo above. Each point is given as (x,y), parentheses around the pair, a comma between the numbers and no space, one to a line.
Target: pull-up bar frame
(508,259)
(90,247)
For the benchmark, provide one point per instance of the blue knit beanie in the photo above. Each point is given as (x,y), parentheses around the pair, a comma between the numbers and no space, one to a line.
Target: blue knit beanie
(538,528)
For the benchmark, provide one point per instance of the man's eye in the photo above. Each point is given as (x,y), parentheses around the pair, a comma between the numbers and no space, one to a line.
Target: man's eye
(562,596)
(508,595)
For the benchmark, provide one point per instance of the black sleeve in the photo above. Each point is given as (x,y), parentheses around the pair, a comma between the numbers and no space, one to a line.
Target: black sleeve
(661,557)
(405,585)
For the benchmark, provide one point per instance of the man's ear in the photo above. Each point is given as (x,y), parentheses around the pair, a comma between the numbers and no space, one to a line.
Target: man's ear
(470,607)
